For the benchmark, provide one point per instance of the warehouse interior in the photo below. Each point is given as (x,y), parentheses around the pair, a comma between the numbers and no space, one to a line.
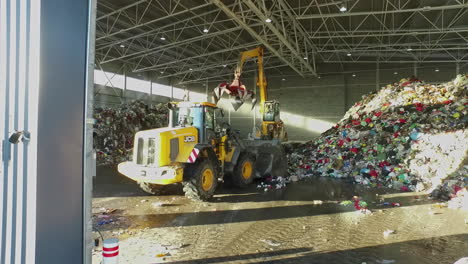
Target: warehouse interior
(311,46)
(234,131)
(322,59)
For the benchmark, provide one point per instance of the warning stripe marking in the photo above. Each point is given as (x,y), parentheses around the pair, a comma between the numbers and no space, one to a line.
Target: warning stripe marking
(110,249)
(110,255)
(193,155)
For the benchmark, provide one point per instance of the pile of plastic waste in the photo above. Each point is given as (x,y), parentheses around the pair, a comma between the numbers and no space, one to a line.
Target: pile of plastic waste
(410,136)
(115,128)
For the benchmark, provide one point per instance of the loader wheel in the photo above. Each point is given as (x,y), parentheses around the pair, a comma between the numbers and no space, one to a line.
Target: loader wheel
(151,188)
(201,181)
(244,172)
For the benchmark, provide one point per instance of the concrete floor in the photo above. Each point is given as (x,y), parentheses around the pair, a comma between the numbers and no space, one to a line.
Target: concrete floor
(302,223)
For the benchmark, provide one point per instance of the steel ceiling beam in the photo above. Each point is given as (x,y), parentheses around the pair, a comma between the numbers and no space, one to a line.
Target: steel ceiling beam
(399,61)
(395,11)
(254,34)
(207,67)
(162,65)
(170,45)
(227,74)
(152,21)
(302,32)
(388,34)
(281,36)
(120,9)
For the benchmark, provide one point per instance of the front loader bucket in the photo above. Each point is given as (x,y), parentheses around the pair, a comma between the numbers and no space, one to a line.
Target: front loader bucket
(270,158)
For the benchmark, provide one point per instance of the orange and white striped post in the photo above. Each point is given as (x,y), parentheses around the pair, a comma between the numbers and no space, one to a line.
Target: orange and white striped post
(110,251)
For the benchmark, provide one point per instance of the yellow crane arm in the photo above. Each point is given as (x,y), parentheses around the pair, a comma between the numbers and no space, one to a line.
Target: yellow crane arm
(261,80)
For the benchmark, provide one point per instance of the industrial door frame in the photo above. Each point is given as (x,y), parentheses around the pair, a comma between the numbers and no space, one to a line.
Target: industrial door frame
(46,83)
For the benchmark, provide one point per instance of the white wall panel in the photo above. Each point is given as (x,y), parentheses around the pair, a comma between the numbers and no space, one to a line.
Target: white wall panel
(19,85)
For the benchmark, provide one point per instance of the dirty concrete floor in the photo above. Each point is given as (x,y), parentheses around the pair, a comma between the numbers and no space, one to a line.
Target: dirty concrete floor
(303,223)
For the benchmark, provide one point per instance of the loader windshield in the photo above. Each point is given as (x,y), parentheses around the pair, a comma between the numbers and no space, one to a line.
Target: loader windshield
(185,116)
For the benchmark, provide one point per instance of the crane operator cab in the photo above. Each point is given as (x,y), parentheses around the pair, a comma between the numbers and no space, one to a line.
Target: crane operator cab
(272,126)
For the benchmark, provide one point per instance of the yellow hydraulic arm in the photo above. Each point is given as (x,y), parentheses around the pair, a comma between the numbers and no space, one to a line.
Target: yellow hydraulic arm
(261,81)
(276,129)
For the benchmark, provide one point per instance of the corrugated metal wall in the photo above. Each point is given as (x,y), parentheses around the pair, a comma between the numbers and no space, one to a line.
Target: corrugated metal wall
(19,85)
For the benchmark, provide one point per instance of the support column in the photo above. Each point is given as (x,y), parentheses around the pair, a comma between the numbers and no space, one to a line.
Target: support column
(172,91)
(206,91)
(151,91)
(457,68)
(415,69)
(62,181)
(346,93)
(377,76)
(124,91)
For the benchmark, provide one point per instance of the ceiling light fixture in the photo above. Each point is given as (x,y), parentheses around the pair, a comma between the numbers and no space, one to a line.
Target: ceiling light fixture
(305,58)
(354,75)
(190,69)
(205,30)
(409,49)
(268,20)
(224,65)
(283,79)
(122,45)
(163,38)
(436,70)
(319,77)
(161,72)
(343,8)
(395,73)
(349,54)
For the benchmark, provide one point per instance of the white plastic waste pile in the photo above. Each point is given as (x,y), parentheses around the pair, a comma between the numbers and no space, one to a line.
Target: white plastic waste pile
(410,136)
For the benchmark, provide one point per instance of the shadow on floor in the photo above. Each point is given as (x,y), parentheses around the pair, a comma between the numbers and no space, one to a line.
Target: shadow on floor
(109,183)
(441,250)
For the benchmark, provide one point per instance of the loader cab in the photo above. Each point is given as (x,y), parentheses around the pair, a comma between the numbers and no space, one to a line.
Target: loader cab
(271,111)
(198,115)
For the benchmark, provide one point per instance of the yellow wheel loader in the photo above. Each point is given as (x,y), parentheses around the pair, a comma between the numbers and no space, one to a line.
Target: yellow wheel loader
(197,150)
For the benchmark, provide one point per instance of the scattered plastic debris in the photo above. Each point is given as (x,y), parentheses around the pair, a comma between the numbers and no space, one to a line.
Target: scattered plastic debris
(388,232)
(157,204)
(271,183)
(460,200)
(271,242)
(345,203)
(105,222)
(386,261)
(161,255)
(358,204)
(462,261)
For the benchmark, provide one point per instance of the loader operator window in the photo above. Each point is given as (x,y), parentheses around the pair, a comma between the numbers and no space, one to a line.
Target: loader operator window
(183,117)
(209,124)
(209,118)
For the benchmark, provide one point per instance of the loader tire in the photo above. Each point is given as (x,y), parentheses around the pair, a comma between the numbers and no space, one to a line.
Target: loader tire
(244,171)
(151,188)
(201,180)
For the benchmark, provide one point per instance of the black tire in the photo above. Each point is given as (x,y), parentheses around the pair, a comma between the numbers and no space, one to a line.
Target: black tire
(194,187)
(243,175)
(151,188)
